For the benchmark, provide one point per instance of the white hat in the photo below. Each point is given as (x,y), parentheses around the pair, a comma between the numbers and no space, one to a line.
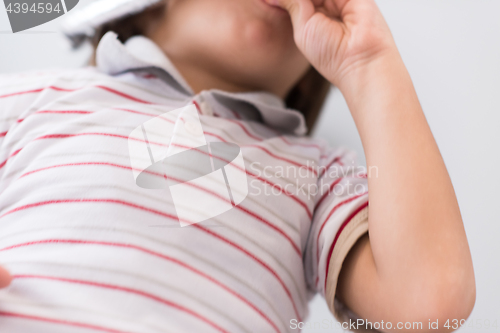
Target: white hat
(80,24)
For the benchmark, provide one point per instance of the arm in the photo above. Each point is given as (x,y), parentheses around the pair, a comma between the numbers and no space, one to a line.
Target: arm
(416,264)
(417,258)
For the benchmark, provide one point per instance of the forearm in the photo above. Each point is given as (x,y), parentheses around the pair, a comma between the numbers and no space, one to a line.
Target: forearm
(417,237)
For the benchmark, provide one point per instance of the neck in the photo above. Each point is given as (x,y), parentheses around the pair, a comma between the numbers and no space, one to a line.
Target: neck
(200,78)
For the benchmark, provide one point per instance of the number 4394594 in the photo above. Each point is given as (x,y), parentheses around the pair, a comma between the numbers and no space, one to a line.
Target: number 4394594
(35,8)
(473,323)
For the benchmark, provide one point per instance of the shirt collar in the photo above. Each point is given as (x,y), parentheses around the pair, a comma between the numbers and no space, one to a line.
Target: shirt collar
(142,54)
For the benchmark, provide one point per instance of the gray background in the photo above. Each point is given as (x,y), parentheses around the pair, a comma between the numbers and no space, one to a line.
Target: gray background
(452,50)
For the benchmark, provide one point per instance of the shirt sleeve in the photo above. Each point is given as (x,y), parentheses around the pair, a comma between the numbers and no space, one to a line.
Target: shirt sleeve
(340,219)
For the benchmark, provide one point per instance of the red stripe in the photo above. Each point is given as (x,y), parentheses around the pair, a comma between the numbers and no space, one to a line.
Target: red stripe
(128,290)
(264,149)
(236,114)
(136,112)
(63,89)
(337,237)
(328,166)
(300,144)
(11,155)
(119,109)
(120,202)
(89,163)
(291,196)
(57,111)
(113,91)
(63,136)
(260,218)
(283,158)
(243,146)
(245,129)
(60,136)
(87,112)
(36,91)
(216,136)
(253,214)
(3,134)
(327,193)
(127,168)
(239,207)
(263,264)
(197,106)
(65,111)
(119,93)
(296,199)
(61,321)
(340,204)
(225,240)
(156,254)
(22,92)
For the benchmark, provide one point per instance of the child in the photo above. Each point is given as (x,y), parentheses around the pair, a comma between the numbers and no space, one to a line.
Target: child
(91,251)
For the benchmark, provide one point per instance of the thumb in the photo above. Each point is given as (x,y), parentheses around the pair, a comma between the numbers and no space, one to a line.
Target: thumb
(5,277)
(300,10)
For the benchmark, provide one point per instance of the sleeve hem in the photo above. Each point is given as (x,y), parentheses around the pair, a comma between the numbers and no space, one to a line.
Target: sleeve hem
(356,227)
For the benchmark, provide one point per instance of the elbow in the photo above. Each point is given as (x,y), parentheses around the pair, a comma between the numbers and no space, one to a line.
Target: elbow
(448,301)
(452,307)
(440,302)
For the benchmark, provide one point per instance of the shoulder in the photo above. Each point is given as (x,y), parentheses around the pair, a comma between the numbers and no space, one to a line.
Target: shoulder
(45,74)
(16,83)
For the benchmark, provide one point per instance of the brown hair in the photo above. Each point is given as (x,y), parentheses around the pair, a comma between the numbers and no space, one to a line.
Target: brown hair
(307,96)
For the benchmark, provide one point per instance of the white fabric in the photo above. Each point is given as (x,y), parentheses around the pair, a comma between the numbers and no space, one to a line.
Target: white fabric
(93,252)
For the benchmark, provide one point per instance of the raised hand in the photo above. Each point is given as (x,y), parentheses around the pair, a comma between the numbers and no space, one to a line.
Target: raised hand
(338,36)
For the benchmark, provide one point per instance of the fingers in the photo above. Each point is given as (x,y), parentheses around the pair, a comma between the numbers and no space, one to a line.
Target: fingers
(5,277)
(339,5)
(300,10)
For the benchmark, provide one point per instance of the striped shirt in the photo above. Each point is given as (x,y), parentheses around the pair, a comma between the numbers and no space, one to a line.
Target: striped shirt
(91,251)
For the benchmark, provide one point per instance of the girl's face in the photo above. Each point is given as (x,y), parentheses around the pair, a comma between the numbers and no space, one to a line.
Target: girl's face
(247,43)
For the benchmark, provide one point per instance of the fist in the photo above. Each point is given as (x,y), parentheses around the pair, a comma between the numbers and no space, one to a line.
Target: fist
(338,36)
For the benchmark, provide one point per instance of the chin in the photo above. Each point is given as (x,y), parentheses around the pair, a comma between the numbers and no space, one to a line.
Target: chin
(261,52)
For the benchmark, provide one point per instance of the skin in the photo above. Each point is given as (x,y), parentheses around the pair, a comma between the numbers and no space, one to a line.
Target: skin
(5,277)
(415,265)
